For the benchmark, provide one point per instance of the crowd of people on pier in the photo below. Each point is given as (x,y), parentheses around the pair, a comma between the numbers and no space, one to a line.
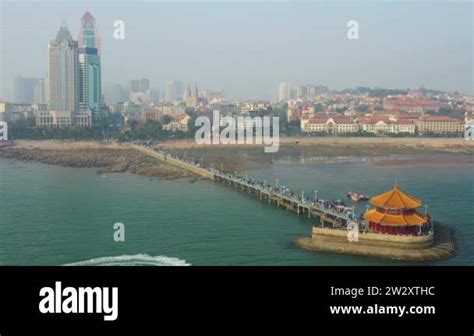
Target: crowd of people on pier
(335,207)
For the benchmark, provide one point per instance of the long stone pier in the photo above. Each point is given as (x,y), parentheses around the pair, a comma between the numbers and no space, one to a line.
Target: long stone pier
(266,193)
(201,172)
(439,244)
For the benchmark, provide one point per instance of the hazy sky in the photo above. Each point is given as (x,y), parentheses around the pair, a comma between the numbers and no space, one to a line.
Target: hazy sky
(248,48)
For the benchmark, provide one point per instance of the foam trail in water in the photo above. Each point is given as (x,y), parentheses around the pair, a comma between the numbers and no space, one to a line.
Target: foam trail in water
(132,260)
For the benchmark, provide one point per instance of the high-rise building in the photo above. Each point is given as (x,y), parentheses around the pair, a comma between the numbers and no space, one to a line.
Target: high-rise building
(213,95)
(155,95)
(140,91)
(39,92)
(191,96)
(170,91)
(64,75)
(284,91)
(115,93)
(87,34)
(312,91)
(25,89)
(139,85)
(90,73)
(301,91)
(179,90)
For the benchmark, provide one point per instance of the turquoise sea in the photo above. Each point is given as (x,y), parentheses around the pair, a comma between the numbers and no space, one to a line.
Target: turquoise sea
(54,216)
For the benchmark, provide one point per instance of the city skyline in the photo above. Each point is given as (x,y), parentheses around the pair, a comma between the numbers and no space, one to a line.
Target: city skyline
(315,51)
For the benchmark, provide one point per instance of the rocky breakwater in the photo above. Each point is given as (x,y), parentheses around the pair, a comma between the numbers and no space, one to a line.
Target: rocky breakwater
(107,159)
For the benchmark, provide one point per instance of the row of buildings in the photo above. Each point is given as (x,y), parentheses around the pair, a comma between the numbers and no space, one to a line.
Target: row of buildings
(412,112)
(334,124)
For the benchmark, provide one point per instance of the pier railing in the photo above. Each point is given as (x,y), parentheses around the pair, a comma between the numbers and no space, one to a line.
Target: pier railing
(297,202)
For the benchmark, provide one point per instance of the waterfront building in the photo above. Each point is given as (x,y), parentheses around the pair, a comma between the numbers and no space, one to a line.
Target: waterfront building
(395,213)
(387,126)
(90,73)
(64,75)
(332,125)
(439,125)
(64,85)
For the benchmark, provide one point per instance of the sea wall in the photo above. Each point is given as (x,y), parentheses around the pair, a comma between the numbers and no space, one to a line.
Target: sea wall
(376,239)
(441,245)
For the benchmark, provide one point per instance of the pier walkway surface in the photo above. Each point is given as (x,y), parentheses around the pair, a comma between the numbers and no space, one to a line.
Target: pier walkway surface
(338,215)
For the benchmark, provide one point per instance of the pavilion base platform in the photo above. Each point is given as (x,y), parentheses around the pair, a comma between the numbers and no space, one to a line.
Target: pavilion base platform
(437,246)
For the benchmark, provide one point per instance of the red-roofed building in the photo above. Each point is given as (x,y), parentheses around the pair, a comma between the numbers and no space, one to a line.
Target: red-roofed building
(411,104)
(439,125)
(330,124)
(408,116)
(387,126)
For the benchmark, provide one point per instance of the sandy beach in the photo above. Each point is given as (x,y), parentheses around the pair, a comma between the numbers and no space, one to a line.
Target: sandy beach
(454,145)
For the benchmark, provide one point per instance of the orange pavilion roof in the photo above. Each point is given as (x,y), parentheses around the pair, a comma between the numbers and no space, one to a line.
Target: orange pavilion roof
(413,219)
(395,199)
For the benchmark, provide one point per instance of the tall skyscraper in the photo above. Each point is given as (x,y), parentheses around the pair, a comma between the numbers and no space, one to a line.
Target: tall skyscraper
(90,73)
(284,91)
(64,75)
(87,34)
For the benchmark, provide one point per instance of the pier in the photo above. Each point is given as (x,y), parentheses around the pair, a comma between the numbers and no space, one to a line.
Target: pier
(284,198)
(336,222)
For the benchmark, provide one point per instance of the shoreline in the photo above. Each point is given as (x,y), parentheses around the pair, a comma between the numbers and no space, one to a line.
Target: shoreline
(116,157)
(451,145)
(107,158)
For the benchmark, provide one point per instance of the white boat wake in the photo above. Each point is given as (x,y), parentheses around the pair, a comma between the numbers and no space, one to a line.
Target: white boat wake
(132,260)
